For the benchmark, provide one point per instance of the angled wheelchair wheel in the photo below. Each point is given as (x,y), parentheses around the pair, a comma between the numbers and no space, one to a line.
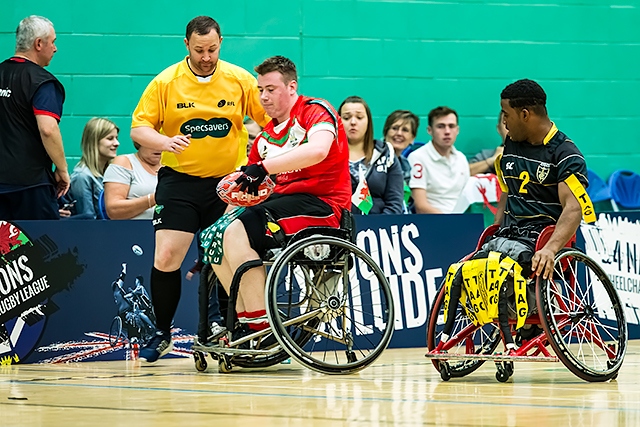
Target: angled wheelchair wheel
(329,305)
(260,361)
(468,338)
(583,318)
(115,331)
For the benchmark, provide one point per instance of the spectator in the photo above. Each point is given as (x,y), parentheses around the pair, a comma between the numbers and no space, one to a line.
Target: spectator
(439,171)
(483,162)
(253,130)
(99,145)
(31,101)
(130,184)
(372,163)
(400,129)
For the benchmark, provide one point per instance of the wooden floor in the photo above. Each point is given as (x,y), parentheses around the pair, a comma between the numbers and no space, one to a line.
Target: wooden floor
(402,389)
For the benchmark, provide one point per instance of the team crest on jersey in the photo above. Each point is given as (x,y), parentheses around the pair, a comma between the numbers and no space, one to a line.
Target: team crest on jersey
(542,172)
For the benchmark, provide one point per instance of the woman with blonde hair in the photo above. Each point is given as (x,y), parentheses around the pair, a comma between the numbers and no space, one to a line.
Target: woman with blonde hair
(99,145)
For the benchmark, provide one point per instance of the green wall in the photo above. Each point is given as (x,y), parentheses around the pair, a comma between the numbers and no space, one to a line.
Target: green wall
(412,55)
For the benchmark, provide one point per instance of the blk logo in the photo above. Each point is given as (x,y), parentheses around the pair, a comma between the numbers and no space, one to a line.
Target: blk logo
(186,105)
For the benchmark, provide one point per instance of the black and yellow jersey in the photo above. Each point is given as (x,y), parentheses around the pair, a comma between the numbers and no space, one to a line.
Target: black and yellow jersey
(531,173)
(176,102)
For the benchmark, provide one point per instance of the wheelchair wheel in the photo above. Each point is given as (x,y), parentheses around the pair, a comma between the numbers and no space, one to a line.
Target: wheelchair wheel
(583,318)
(329,305)
(260,361)
(471,339)
(115,331)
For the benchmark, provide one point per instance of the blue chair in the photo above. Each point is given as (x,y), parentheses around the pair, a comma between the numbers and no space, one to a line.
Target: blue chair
(625,189)
(411,148)
(598,190)
(102,206)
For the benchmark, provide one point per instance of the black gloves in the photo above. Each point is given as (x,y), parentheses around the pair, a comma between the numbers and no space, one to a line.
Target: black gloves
(251,178)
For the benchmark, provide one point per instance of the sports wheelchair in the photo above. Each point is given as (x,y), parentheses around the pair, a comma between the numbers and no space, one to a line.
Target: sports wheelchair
(328,303)
(135,321)
(578,310)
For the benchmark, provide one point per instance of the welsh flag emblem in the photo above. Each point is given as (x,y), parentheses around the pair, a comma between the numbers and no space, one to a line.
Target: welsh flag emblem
(362,198)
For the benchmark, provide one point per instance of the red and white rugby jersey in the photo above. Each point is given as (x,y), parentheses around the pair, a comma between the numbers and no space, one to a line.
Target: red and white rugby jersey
(328,180)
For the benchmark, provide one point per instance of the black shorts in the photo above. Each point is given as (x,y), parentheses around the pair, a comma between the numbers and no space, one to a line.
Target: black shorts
(185,202)
(292,212)
(38,202)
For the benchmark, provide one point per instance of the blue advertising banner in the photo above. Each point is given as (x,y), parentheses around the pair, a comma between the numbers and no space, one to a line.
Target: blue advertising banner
(57,295)
(414,252)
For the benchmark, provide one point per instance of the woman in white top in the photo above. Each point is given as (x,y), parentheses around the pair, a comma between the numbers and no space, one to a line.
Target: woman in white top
(130,184)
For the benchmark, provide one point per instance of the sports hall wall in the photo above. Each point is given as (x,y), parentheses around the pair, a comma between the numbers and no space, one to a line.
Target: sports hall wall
(411,55)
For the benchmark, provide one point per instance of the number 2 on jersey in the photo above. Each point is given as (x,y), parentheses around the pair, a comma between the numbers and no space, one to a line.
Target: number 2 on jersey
(524,176)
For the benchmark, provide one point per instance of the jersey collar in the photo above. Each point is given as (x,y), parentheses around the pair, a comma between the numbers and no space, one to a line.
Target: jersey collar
(551,134)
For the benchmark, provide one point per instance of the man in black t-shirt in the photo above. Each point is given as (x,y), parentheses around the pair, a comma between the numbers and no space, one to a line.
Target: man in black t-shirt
(543,176)
(31,101)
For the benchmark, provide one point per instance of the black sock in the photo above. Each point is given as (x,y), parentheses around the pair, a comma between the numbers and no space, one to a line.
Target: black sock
(165,294)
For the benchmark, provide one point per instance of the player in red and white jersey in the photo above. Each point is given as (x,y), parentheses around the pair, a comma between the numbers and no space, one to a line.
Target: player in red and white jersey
(306,148)
(308,116)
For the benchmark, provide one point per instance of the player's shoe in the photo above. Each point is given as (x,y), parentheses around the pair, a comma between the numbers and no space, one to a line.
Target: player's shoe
(262,343)
(160,345)
(217,332)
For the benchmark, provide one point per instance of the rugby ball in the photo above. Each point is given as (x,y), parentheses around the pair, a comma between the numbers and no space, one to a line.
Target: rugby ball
(230,192)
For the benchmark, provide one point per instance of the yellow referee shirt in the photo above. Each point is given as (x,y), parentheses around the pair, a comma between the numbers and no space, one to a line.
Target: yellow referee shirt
(212,112)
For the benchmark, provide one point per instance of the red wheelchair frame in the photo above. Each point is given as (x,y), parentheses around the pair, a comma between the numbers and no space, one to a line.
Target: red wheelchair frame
(569,313)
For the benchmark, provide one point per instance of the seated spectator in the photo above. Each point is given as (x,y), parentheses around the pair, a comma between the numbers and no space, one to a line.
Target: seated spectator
(483,162)
(439,171)
(373,164)
(400,129)
(254,130)
(130,184)
(99,146)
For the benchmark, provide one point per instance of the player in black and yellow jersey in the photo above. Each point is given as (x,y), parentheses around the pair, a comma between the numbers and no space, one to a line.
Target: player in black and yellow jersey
(193,111)
(543,177)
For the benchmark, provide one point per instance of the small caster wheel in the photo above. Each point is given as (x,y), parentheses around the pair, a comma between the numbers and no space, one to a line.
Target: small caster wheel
(501,375)
(224,364)
(508,368)
(351,357)
(445,371)
(200,361)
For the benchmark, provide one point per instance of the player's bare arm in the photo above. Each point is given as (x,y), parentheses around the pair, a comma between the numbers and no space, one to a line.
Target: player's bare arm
(502,205)
(421,202)
(151,138)
(568,223)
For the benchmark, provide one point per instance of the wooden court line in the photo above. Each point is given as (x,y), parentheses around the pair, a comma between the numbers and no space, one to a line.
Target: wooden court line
(346,398)
(359,421)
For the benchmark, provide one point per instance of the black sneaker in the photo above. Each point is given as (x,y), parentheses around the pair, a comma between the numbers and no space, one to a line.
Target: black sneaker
(158,346)
(527,334)
(260,343)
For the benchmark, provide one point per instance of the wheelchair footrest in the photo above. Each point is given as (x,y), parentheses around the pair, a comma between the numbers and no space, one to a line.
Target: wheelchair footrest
(233,351)
(495,357)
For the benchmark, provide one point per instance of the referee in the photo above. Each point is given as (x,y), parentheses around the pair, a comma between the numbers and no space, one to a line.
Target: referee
(193,111)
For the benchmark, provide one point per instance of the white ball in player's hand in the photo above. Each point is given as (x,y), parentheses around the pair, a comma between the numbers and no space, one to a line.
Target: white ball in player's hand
(137,250)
